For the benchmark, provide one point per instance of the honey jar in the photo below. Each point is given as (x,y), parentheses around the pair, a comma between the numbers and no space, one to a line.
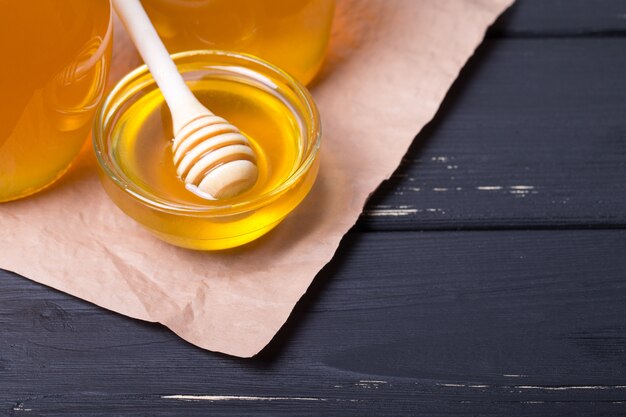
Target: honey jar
(55,58)
(291,34)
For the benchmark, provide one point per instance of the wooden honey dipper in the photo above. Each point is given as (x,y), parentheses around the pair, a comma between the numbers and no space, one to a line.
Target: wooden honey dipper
(211,155)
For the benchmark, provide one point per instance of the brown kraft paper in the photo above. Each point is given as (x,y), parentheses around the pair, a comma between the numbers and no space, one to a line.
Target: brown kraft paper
(390,64)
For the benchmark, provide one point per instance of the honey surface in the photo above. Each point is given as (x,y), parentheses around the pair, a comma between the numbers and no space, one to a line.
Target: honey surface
(142,141)
(291,34)
(52,76)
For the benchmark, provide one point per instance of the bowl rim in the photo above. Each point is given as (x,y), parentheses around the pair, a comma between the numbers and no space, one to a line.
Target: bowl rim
(112,102)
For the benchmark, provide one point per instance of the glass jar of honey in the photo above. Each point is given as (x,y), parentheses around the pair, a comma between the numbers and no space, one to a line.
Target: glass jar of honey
(55,59)
(291,34)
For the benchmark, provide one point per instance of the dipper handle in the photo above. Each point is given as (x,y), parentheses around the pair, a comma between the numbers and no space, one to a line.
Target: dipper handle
(183,105)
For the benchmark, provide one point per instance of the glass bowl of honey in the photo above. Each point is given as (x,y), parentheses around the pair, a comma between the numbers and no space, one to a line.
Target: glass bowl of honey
(132,137)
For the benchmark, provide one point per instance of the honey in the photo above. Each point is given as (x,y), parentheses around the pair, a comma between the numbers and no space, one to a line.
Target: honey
(133,141)
(55,58)
(143,139)
(292,34)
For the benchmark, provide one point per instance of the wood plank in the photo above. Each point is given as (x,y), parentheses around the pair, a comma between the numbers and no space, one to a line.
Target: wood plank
(562,18)
(443,323)
(531,135)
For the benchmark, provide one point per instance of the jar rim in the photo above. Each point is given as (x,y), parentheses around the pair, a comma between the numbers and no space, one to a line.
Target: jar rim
(118,96)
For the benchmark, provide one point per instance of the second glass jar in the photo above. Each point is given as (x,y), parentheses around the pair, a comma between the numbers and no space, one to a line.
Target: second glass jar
(292,34)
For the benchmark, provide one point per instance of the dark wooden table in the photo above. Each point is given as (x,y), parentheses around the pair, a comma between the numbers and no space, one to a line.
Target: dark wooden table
(488,276)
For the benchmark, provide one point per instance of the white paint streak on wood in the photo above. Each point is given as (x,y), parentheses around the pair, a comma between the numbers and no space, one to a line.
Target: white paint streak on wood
(237,398)
(516,375)
(20,407)
(442,189)
(390,212)
(570,387)
(368,384)
(402,210)
(465,385)
(538,387)
(516,190)
(439,158)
